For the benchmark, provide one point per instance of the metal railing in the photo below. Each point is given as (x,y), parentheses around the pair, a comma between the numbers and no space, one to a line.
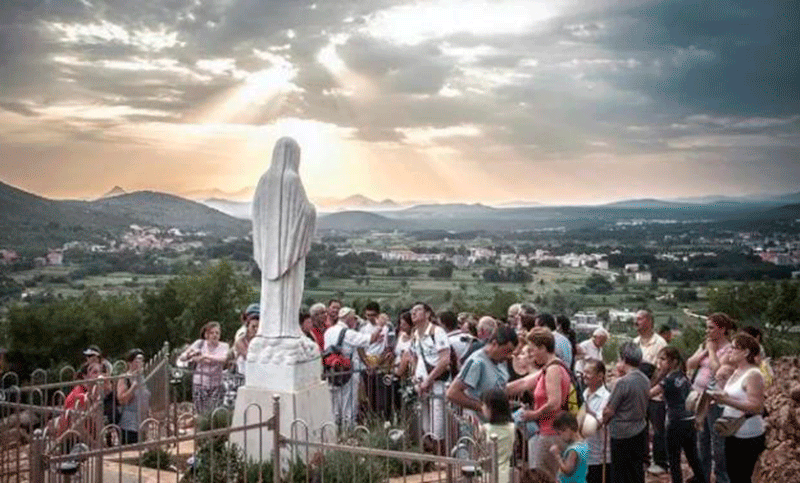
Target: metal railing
(387,441)
(39,405)
(359,456)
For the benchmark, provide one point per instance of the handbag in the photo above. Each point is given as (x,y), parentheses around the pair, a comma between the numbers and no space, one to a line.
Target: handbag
(727,426)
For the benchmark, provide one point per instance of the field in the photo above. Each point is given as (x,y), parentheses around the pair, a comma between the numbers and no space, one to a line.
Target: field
(467,289)
(555,290)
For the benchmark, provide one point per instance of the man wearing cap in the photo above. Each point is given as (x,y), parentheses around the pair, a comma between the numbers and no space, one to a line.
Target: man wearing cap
(345,397)
(253,311)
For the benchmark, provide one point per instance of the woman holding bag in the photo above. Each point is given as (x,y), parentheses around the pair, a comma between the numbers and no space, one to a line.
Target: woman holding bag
(706,361)
(743,401)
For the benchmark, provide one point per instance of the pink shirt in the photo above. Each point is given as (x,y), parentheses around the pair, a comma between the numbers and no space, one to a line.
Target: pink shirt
(540,399)
(209,374)
(704,375)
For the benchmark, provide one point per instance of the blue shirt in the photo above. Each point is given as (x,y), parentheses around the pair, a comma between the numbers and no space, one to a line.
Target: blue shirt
(480,374)
(563,349)
(581,468)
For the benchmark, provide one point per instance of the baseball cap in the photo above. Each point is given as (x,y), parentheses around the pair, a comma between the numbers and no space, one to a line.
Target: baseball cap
(92,350)
(253,309)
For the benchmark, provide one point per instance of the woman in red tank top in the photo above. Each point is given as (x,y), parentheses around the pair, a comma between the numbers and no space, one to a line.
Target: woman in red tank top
(550,388)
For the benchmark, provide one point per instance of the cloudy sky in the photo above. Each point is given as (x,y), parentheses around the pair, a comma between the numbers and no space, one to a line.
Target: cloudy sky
(556,101)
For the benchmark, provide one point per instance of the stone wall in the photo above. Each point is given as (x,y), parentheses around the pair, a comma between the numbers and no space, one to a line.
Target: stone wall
(781,460)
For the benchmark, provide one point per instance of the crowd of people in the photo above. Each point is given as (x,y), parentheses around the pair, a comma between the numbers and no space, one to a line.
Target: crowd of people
(644,411)
(124,400)
(520,379)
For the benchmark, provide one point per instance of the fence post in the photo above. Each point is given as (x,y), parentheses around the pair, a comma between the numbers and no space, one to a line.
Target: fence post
(276,439)
(167,377)
(495,458)
(36,456)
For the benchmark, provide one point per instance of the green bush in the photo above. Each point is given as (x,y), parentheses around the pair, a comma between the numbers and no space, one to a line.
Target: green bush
(156,458)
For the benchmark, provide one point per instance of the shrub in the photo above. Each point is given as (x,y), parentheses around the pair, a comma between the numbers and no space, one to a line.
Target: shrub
(156,458)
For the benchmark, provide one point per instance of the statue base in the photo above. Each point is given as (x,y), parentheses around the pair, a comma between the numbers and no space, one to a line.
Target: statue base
(303,397)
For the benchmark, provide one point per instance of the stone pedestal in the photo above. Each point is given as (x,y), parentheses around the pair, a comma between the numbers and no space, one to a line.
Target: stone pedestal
(303,396)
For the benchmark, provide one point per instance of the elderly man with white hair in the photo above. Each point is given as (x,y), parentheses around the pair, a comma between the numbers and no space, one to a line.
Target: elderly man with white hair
(591,348)
(344,398)
(319,314)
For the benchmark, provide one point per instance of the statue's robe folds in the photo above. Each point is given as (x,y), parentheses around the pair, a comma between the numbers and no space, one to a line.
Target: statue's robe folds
(283,227)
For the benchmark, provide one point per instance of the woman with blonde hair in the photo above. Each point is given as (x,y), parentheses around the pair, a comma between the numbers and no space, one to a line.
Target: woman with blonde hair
(209,356)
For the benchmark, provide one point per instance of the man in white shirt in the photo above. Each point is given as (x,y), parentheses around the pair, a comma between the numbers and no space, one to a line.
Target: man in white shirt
(596,396)
(591,348)
(651,344)
(344,398)
(458,340)
(371,359)
(432,351)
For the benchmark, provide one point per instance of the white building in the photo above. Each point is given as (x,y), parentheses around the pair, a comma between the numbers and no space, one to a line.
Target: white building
(644,277)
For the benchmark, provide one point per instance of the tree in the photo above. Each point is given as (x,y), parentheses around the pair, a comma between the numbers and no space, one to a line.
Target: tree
(219,294)
(598,284)
(445,270)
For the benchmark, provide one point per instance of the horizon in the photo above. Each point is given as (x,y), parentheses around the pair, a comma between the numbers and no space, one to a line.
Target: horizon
(330,202)
(472,101)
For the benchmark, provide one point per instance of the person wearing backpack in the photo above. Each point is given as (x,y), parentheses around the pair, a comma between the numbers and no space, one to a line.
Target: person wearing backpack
(432,370)
(341,341)
(550,388)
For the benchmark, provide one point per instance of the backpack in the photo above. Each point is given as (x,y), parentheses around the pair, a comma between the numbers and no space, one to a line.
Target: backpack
(335,366)
(574,400)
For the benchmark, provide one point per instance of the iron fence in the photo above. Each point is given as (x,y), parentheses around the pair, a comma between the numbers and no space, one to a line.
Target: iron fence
(388,440)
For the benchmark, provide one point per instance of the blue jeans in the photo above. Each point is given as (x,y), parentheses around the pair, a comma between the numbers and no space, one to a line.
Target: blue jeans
(711,447)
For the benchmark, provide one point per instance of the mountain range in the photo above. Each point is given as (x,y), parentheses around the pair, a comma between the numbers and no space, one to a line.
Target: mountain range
(34,223)
(29,221)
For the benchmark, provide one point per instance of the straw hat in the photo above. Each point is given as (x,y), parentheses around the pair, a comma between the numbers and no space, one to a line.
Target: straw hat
(587,424)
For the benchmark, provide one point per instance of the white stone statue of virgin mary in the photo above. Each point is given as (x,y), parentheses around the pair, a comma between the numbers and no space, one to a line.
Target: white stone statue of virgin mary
(283,226)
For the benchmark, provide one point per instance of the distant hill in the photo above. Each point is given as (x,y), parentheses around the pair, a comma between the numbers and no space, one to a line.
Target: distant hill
(786,212)
(518,204)
(354,202)
(360,221)
(31,223)
(167,210)
(245,193)
(644,203)
(449,210)
(237,209)
(790,197)
(115,191)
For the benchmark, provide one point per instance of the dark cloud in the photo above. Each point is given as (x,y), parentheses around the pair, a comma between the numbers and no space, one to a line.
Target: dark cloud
(18,108)
(639,77)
